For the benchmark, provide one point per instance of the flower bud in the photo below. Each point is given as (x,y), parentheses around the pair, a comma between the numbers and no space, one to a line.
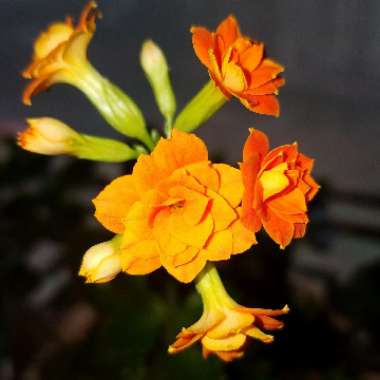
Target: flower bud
(156,69)
(47,136)
(101,263)
(50,136)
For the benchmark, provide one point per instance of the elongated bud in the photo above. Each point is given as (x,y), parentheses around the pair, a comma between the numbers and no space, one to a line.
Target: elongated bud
(117,108)
(47,136)
(200,108)
(52,137)
(156,69)
(101,263)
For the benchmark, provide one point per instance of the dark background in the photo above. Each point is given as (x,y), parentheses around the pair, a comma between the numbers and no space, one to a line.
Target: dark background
(52,326)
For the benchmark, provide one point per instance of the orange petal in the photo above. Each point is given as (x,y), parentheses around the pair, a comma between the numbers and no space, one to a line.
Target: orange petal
(186,273)
(195,236)
(168,243)
(231,184)
(195,207)
(290,203)
(140,258)
(280,230)
(299,230)
(229,30)
(136,223)
(267,71)
(242,237)
(252,56)
(262,104)
(256,143)
(219,247)
(180,150)
(229,356)
(205,174)
(267,88)
(222,213)
(202,43)
(233,323)
(231,343)
(249,170)
(113,203)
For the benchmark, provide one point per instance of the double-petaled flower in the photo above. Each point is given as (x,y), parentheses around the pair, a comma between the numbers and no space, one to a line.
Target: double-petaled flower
(176,210)
(226,327)
(277,188)
(239,67)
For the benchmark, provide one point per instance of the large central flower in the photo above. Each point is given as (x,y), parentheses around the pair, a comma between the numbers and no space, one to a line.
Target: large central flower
(177,209)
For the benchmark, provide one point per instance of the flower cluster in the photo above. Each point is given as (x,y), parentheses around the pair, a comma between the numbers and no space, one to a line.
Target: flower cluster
(177,209)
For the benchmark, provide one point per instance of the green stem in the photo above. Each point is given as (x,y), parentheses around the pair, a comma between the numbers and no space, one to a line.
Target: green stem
(204,104)
(210,286)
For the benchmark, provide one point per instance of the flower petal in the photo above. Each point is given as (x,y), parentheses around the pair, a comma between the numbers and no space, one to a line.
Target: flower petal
(113,203)
(202,43)
(229,30)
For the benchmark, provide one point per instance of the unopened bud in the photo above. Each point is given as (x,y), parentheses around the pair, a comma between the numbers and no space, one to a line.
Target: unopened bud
(101,263)
(156,69)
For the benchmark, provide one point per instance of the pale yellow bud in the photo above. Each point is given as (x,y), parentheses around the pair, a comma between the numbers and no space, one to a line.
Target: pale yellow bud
(101,263)
(156,69)
(49,136)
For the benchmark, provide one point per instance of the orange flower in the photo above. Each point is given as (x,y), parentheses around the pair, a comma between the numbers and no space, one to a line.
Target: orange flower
(60,52)
(176,209)
(278,186)
(238,67)
(226,327)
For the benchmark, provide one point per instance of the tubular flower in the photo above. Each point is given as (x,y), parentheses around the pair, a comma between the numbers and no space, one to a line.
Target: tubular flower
(176,209)
(238,66)
(60,53)
(278,185)
(225,327)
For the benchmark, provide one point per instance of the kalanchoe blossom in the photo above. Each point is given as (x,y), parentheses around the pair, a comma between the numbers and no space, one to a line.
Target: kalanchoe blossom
(58,51)
(277,187)
(176,210)
(239,67)
(60,56)
(226,327)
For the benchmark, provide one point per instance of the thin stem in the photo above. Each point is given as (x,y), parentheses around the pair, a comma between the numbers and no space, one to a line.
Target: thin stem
(200,108)
(210,286)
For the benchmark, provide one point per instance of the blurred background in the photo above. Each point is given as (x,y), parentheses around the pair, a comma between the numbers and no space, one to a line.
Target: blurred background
(53,326)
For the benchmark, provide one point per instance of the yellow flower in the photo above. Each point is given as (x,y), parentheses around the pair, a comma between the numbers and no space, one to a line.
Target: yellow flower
(60,53)
(225,327)
(101,263)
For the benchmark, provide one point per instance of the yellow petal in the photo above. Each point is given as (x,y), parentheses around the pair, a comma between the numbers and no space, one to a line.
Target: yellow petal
(231,343)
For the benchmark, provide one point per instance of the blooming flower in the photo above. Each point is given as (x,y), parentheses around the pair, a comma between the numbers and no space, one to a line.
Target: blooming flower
(225,327)
(176,209)
(278,185)
(238,66)
(60,53)
(60,56)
